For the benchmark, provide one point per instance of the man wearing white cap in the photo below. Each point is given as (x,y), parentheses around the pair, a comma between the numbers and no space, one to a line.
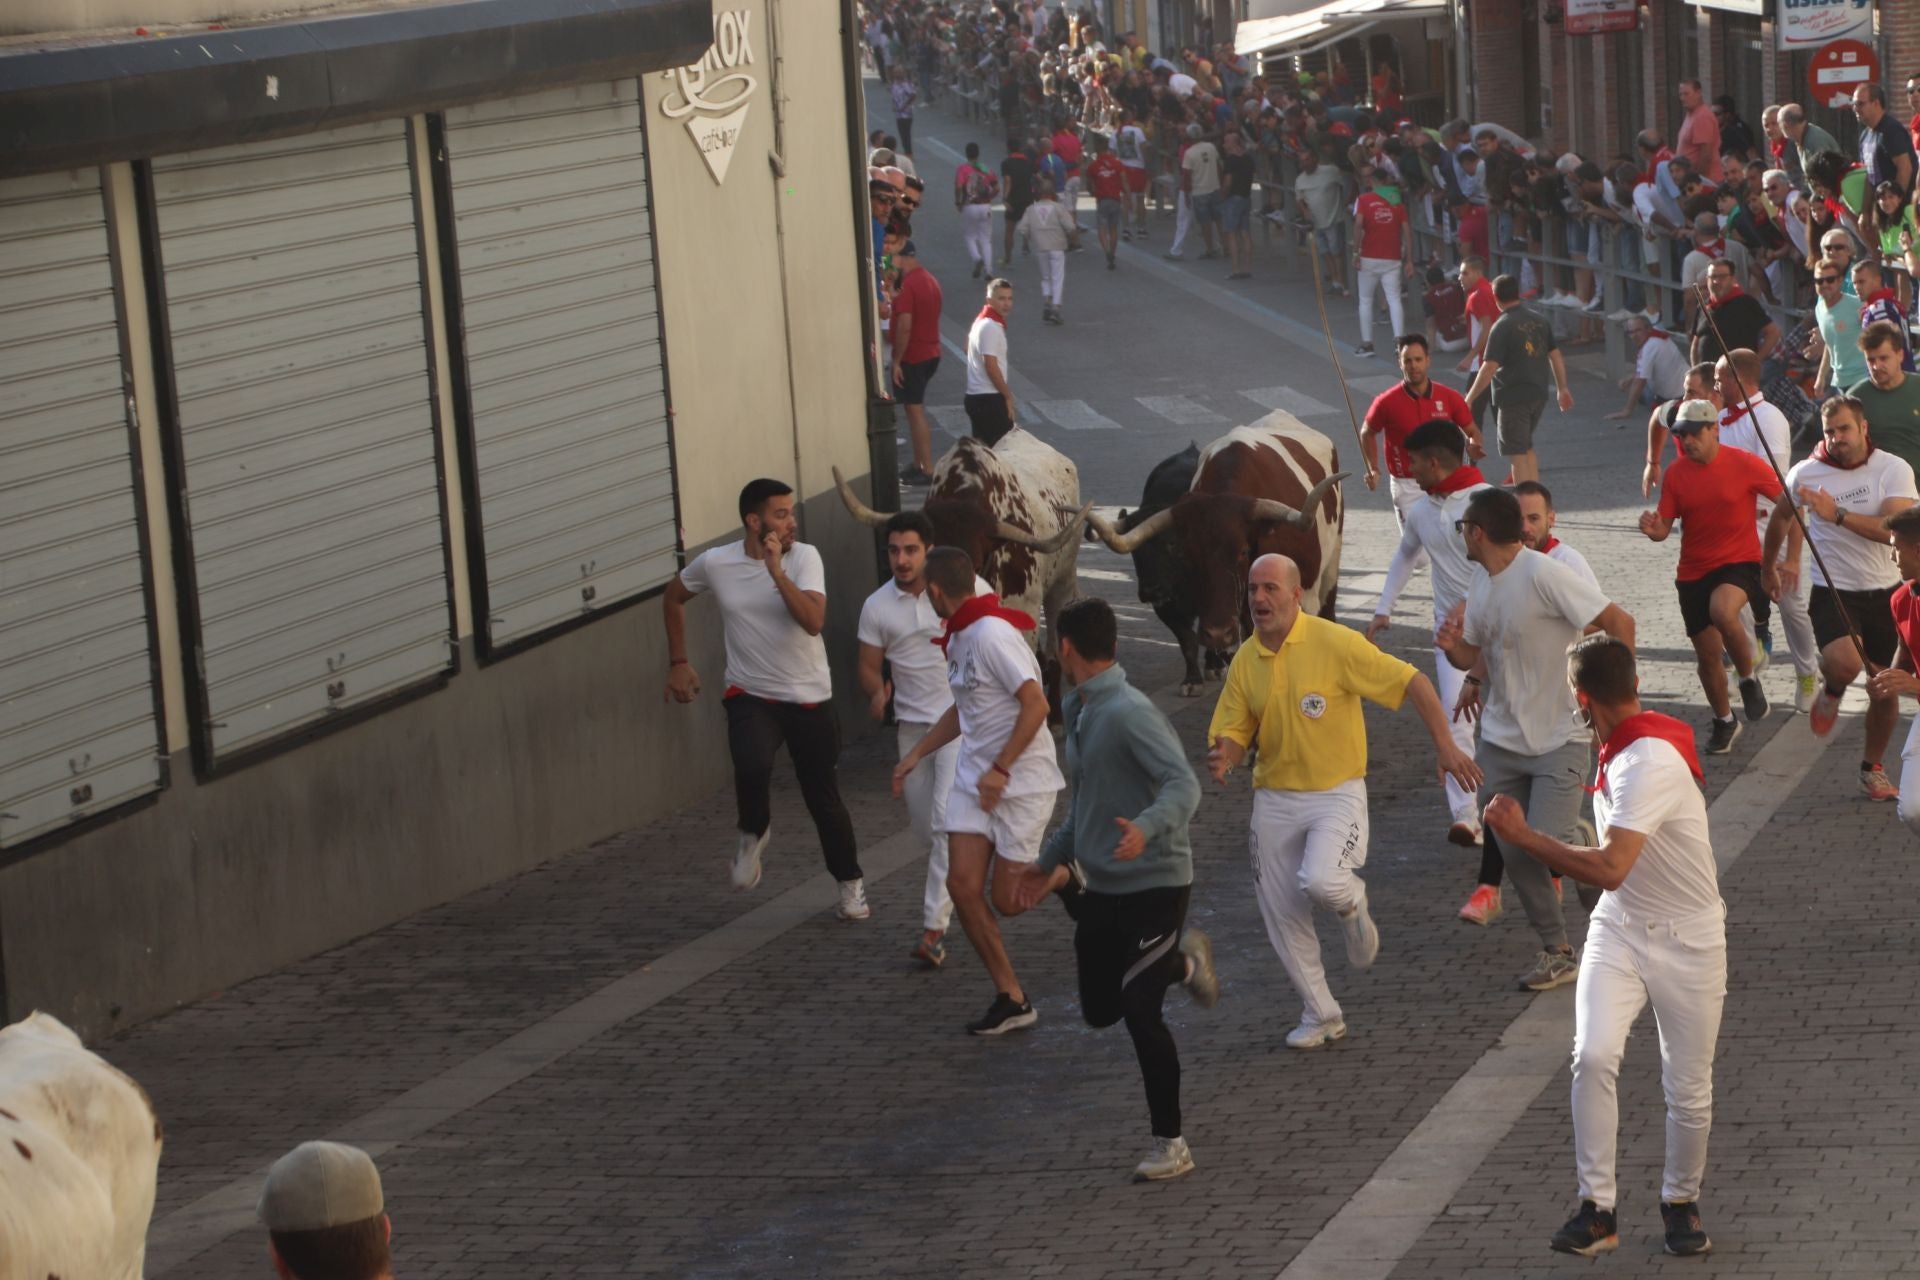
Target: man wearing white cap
(325,1215)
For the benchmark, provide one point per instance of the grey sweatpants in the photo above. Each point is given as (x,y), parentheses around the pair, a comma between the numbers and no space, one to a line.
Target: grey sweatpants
(1549,788)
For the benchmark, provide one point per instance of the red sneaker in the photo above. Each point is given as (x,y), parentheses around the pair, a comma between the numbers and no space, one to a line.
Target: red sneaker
(1483,908)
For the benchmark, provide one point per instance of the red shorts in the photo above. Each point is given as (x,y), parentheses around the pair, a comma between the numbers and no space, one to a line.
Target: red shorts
(1136,180)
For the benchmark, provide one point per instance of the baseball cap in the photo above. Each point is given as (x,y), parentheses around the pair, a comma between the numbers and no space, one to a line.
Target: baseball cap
(318,1185)
(1691,415)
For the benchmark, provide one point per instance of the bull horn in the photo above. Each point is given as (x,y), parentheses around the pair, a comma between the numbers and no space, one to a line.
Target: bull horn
(1126,543)
(1302,517)
(861,511)
(1045,546)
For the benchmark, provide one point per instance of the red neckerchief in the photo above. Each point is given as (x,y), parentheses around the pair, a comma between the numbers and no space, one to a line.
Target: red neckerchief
(1660,157)
(1820,454)
(975,608)
(1718,249)
(1464,478)
(1778,146)
(1714,304)
(1876,296)
(1649,724)
(1732,414)
(988,313)
(1546,548)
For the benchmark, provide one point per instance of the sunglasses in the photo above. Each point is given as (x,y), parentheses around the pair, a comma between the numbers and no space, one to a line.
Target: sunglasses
(1460,526)
(1826,279)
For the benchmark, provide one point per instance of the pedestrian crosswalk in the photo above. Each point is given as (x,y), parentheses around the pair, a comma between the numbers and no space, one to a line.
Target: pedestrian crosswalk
(1216,412)
(1286,399)
(1075,415)
(1182,411)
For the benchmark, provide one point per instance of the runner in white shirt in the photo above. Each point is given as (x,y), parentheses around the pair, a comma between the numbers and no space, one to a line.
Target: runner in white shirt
(1846,490)
(1537,521)
(1764,432)
(1130,145)
(1436,453)
(1658,936)
(897,628)
(1005,779)
(772,593)
(1511,639)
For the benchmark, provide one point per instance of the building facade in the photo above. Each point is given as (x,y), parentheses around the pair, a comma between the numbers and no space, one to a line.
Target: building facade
(364,377)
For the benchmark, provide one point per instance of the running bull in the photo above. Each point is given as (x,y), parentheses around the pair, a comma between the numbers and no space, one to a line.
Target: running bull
(1269,487)
(1015,510)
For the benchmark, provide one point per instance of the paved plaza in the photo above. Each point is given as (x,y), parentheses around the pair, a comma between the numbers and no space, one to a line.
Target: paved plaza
(614,1065)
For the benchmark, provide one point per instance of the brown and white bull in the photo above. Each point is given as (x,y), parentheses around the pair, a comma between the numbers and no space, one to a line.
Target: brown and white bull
(1270,487)
(79,1153)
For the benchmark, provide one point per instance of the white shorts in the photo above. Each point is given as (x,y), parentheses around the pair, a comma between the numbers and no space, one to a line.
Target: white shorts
(1016,826)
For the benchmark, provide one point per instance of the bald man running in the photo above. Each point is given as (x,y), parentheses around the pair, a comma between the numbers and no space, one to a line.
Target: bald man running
(1310,789)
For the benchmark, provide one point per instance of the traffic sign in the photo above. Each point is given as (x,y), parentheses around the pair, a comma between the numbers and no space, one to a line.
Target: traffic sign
(1838,67)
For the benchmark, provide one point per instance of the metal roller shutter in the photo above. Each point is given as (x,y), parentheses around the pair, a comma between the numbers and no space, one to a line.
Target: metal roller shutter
(79,726)
(572,464)
(300,367)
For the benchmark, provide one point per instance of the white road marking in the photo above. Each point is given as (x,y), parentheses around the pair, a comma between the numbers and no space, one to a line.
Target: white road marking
(1373,384)
(1297,403)
(1387,1217)
(1182,410)
(1104,575)
(1076,415)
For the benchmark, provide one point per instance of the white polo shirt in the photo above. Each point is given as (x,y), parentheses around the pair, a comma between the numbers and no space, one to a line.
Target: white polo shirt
(986,665)
(986,338)
(902,626)
(1857,563)
(1567,556)
(1522,619)
(1745,430)
(1649,789)
(1429,528)
(769,655)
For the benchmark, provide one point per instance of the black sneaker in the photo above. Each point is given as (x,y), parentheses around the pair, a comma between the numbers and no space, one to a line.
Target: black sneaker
(913,477)
(1074,891)
(1686,1238)
(1753,699)
(1364,349)
(1588,1232)
(1003,1015)
(1720,741)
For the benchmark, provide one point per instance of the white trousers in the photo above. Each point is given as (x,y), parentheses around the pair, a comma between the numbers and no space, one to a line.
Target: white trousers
(1910,778)
(1306,846)
(976,232)
(1405,493)
(1448,679)
(1071,196)
(926,792)
(1053,275)
(1385,274)
(1679,966)
(1182,221)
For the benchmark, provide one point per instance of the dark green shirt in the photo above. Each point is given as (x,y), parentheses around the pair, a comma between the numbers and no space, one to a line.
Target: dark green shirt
(1893,417)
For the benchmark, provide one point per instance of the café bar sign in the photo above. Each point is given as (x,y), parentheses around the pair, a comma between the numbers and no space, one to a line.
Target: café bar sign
(1809,24)
(713,95)
(1598,17)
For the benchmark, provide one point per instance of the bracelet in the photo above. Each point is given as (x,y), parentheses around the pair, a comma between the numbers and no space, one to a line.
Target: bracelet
(676,662)
(1001,769)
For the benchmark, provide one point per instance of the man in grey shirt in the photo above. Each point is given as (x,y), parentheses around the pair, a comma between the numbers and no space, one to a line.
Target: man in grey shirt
(1521,353)
(1511,637)
(1808,139)
(1124,864)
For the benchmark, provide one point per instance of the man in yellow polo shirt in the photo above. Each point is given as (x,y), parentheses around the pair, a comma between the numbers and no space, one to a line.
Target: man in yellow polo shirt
(1295,689)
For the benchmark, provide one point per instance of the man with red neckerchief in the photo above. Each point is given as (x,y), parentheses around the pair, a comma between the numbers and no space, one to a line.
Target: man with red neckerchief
(1396,411)
(1899,677)
(1657,936)
(1878,303)
(1006,778)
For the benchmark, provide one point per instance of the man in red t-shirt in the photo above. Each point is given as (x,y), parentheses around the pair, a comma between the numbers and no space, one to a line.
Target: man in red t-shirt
(915,335)
(1710,489)
(1384,258)
(1445,303)
(1899,679)
(1396,411)
(1107,178)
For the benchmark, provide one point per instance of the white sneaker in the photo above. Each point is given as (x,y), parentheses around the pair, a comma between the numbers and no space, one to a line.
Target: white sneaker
(853,900)
(1465,830)
(1363,938)
(1311,1035)
(746,862)
(1804,689)
(1166,1158)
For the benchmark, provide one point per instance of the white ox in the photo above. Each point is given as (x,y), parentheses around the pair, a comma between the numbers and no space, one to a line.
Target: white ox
(1015,510)
(79,1153)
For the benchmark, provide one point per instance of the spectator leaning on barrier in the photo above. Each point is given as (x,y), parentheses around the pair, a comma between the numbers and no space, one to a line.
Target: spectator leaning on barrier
(1659,369)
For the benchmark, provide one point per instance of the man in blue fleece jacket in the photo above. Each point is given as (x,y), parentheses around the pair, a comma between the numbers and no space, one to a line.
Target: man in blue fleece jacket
(1124,863)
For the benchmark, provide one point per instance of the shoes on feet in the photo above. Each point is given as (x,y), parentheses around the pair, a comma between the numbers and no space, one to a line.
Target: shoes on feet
(1166,1158)
(1074,891)
(1109,262)
(1878,785)
(1174,257)
(1311,1035)
(1364,349)
(1202,983)
(1483,905)
(853,901)
(978,269)
(746,860)
(1824,711)
(1753,699)
(1363,938)
(914,476)
(1552,969)
(1004,1015)
(1686,1238)
(1804,687)
(1465,830)
(1720,741)
(930,954)
(1588,1232)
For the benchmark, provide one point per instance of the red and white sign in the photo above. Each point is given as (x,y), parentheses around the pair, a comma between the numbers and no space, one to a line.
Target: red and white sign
(1808,24)
(1597,17)
(1837,68)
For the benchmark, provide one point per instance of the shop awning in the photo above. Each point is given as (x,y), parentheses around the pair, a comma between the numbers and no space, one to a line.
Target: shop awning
(1307,31)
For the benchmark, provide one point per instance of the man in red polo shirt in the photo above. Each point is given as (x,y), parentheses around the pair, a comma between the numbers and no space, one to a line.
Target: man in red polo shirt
(1398,410)
(1107,177)
(1710,490)
(915,334)
(1384,257)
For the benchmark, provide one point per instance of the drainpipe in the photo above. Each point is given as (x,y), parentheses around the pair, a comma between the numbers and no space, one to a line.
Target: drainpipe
(777,163)
(882,454)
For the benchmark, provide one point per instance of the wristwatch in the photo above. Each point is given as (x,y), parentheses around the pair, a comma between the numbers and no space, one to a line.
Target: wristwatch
(1839,514)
